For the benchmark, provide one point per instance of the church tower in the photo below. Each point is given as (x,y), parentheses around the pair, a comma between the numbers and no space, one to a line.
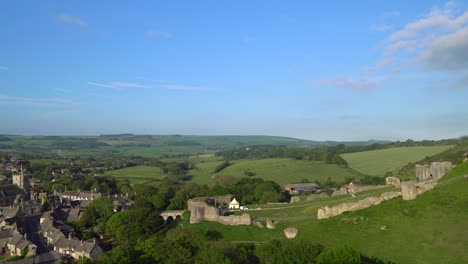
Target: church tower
(21,180)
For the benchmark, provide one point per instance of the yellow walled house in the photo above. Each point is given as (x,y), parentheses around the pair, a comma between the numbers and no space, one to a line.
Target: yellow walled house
(234,204)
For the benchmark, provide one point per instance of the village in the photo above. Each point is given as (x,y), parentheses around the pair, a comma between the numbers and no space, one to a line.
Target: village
(35,224)
(27,228)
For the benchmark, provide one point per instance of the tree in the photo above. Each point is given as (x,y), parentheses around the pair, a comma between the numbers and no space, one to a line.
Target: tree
(134,224)
(97,214)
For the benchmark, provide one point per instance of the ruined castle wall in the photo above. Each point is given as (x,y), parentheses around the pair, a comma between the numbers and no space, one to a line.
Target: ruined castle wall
(200,211)
(423,172)
(408,190)
(243,219)
(439,169)
(326,211)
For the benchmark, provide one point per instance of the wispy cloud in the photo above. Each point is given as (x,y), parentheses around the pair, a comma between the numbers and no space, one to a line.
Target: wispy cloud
(62,90)
(382,64)
(436,41)
(451,85)
(72,20)
(185,87)
(422,32)
(158,34)
(448,52)
(358,85)
(381,27)
(393,13)
(39,102)
(119,85)
(3,68)
(249,39)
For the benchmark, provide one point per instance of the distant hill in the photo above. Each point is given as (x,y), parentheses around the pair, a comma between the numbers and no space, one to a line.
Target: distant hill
(151,145)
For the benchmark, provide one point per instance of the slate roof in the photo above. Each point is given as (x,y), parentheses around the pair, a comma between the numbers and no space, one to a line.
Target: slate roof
(303,186)
(76,245)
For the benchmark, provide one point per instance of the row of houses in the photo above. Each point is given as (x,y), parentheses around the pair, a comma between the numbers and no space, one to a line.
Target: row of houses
(12,242)
(59,237)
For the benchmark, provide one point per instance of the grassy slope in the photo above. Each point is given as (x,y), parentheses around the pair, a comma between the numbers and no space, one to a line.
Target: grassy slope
(452,154)
(282,171)
(430,229)
(137,174)
(378,162)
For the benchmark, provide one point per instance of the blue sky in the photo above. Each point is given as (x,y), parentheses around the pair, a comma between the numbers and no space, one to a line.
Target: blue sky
(338,70)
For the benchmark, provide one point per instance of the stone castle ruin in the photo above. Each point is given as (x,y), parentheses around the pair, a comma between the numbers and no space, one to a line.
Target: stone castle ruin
(326,211)
(353,188)
(426,177)
(433,172)
(210,209)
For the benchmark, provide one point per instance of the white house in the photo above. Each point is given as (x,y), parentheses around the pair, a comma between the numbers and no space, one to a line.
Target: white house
(234,204)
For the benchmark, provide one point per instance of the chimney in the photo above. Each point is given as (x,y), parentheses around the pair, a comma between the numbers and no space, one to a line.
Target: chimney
(69,236)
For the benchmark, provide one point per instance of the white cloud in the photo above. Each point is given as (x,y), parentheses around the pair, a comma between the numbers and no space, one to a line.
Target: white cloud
(3,68)
(437,21)
(184,87)
(359,85)
(39,102)
(158,34)
(438,40)
(381,27)
(448,52)
(72,20)
(119,85)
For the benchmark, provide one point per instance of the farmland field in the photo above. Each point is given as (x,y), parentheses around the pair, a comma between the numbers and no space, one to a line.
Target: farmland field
(378,162)
(282,171)
(137,174)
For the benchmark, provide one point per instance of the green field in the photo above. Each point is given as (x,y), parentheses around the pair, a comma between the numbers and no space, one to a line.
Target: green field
(137,174)
(282,171)
(430,229)
(378,162)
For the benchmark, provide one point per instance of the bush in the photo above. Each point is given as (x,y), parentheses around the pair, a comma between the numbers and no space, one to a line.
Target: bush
(342,255)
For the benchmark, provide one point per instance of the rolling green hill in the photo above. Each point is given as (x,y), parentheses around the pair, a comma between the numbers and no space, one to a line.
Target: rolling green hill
(378,162)
(430,229)
(282,171)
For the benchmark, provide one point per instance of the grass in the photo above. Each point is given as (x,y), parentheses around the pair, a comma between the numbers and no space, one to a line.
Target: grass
(137,174)
(378,162)
(429,229)
(282,171)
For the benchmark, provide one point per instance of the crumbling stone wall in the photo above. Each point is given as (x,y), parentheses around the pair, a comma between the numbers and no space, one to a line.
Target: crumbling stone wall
(200,211)
(326,211)
(408,190)
(393,181)
(439,169)
(435,171)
